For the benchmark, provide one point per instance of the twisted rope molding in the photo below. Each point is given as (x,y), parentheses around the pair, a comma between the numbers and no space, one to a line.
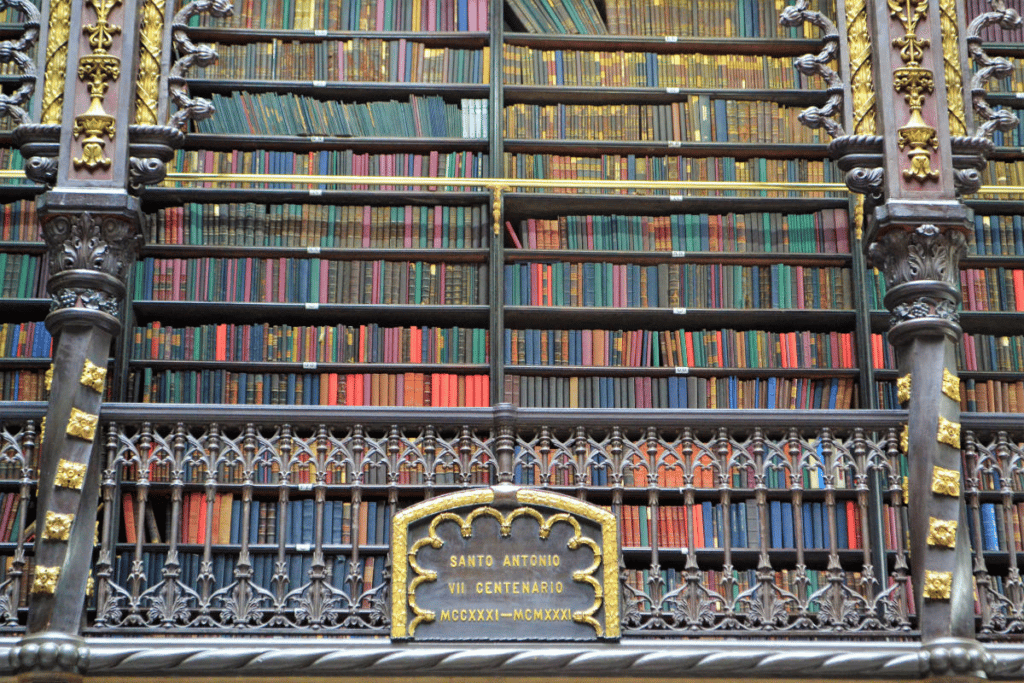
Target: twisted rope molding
(368,657)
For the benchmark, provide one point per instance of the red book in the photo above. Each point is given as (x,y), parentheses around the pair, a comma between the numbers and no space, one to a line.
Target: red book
(408,223)
(512,234)
(852,525)
(127,503)
(1018,289)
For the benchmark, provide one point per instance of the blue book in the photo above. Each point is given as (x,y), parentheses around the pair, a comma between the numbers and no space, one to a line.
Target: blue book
(787,525)
(842,530)
(254,521)
(339,521)
(775,522)
(708,513)
(235,533)
(817,518)
(328,522)
(808,526)
(989,530)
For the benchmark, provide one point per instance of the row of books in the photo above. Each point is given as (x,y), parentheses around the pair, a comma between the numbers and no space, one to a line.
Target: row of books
(355,15)
(1000,527)
(335,162)
(989,474)
(696,119)
(983,289)
(723,18)
(559,16)
(22,276)
(826,231)
(679,348)
(22,385)
(692,285)
(998,235)
(223,523)
(373,60)
(708,522)
(976,396)
(435,390)
(991,352)
(315,280)
(10,516)
(370,343)
(525,65)
(1004,173)
(272,113)
(296,568)
(20,223)
(673,168)
(320,225)
(680,392)
(992,289)
(25,340)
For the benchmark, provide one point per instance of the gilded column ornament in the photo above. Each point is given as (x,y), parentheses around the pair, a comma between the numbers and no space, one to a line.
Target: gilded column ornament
(56,61)
(46,580)
(945,482)
(82,424)
(951,67)
(48,377)
(96,70)
(914,82)
(903,385)
(58,526)
(861,81)
(70,475)
(949,433)
(905,438)
(938,585)
(950,385)
(147,86)
(942,532)
(93,376)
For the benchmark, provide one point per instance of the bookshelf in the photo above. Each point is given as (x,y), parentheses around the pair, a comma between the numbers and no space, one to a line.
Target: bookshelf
(325,353)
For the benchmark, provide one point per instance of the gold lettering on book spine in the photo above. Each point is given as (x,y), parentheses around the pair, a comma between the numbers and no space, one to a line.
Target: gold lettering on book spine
(151,33)
(951,62)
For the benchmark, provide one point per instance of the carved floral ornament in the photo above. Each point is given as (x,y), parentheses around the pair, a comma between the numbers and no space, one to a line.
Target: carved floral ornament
(914,83)
(96,70)
(922,253)
(102,243)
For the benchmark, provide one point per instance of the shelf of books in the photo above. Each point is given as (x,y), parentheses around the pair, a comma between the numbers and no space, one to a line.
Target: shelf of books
(256,298)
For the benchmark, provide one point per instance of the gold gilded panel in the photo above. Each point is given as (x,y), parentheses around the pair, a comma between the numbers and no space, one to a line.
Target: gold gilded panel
(82,424)
(945,482)
(942,532)
(938,585)
(45,581)
(93,376)
(70,475)
(903,388)
(57,527)
(949,433)
(950,385)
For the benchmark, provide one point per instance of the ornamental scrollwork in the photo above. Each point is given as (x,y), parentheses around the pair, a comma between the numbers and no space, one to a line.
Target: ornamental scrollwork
(192,108)
(817,65)
(925,253)
(103,243)
(990,67)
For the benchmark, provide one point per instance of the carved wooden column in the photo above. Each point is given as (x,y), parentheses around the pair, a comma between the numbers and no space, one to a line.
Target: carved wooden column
(911,155)
(92,145)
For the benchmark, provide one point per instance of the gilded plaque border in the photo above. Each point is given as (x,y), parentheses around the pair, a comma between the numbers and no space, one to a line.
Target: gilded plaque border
(403,586)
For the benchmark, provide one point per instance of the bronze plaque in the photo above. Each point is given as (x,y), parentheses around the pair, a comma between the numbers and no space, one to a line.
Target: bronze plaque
(505,563)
